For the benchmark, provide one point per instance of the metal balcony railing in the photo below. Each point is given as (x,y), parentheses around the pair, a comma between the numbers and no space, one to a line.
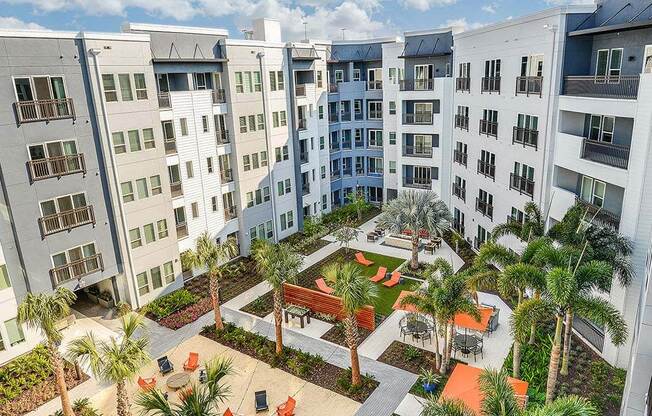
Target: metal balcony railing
(486,169)
(66,220)
(463,84)
(346,145)
(303,157)
(458,226)
(590,332)
(525,137)
(374,85)
(529,85)
(230,212)
(484,208)
(600,215)
(164,100)
(335,175)
(300,90)
(359,116)
(347,172)
(76,269)
(460,157)
(302,124)
(417,118)
(222,136)
(333,88)
(56,167)
(226,175)
(625,86)
(605,153)
(345,116)
(219,96)
(522,184)
(44,110)
(418,183)
(489,128)
(176,189)
(417,84)
(182,230)
(170,146)
(462,122)
(490,84)
(333,118)
(417,151)
(459,192)
(305,189)
(335,147)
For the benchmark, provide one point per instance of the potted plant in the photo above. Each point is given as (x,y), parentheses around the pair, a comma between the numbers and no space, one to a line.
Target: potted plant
(106,299)
(429,380)
(93,293)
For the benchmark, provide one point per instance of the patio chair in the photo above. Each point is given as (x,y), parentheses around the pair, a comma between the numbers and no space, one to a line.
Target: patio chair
(425,336)
(359,257)
(393,280)
(371,237)
(477,350)
(164,365)
(321,285)
(146,384)
(192,363)
(287,408)
(261,400)
(380,274)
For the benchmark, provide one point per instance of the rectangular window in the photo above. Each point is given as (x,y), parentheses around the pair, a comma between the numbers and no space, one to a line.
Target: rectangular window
(141,188)
(209,164)
(266,194)
(356,74)
(239,86)
(375,110)
(168,272)
(214,203)
(15,332)
(275,119)
(392,137)
(243,124)
(375,138)
(283,117)
(322,171)
(148,139)
(127,190)
(280,83)
(150,234)
(204,123)
(254,161)
(184,126)
(272,80)
(190,172)
(252,123)
(108,84)
(125,87)
(257,81)
(261,122)
(339,75)
(392,107)
(250,199)
(4,277)
(141,87)
(284,224)
(135,238)
(134,140)
(263,158)
(155,184)
(162,228)
(155,273)
(195,209)
(119,145)
(392,166)
(322,143)
(143,283)
(246,163)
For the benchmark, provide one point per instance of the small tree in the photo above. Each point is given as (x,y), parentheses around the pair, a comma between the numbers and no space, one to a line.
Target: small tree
(358,200)
(345,235)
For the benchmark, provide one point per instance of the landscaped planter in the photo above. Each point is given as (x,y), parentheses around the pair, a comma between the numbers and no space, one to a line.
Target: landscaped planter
(108,304)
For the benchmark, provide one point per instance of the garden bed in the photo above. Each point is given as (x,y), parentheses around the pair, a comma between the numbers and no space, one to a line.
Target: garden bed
(336,335)
(304,244)
(308,367)
(27,382)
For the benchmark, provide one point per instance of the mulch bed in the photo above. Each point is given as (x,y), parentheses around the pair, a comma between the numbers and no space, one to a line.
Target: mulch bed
(311,368)
(295,239)
(262,306)
(34,397)
(336,335)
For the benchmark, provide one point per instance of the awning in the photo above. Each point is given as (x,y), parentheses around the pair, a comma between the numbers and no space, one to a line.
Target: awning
(465,320)
(408,308)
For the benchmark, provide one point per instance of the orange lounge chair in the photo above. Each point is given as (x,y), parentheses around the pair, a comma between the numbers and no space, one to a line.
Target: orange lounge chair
(146,384)
(321,285)
(380,274)
(287,408)
(394,280)
(359,257)
(192,363)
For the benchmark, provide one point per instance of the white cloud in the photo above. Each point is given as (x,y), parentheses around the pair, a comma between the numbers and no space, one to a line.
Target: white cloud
(424,5)
(14,23)
(564,2)
(490,8)
(463,24)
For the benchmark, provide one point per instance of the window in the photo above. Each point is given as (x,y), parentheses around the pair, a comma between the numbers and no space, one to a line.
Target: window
(257,81)
(4,277)
(279,80)
(287,220)
(392,166)
(283,116)
(162,228)
(143,283)
(375,138)
(357,106)
(375,110)
(272,80)
(263,158)
(214,203)
(209,164)
(601,128)
(392,107)
(155,273)
(324,202)
(320,79)
(275,80)
(392,76)
(248,86)
(108,84)
(127,191)
(376,165)
(322,143)
(119,145)
(275,119)
(184,126)
(125,87)
(141,188)
(134,140)
(322,171)
(199,79)
(261,122)
(194,208)
(593,191)
(254,161)
(482,237)
(266,194)
(135,238)
(608,62)
(392,137)
(155,184)
(250,199)
(14,331)
(141,87)
(320,111)
(168,272)
(282,153)
(243,124)
(356,74)
(239,86)
(339,75)
(204,123)
(246,163)
(148,139)
(252,123)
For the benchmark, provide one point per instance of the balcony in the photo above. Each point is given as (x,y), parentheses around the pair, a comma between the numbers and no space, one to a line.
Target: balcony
(484,208)
(487,169)
(333,118)
(76,269)
(335,175)
(462,122)
(459,192)
(458,227)
(489,128)
(176,189)
(44,110)
(219,96)
(300,90)
(359,171)
(460,157)
(346,145)
(417,151)
(303,157)
(182,230)
(605,153)
(164,100)
(305,189)
(359,116)
(621,87)
(417,118)
(222,137)
(170,146)
(333,88)
(418,183)
(56,167)
(302,124)
(600,215)
(522,184)
(230,213)
(345,116)
(529,86)
(66,220)
(375,172)
(374,85)
(525,137)
(335,147)
(347,172)
(490,84)
(226,175)
(463,84)
(417,84)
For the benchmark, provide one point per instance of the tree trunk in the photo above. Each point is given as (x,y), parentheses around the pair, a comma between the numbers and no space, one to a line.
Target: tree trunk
(533,328)
(553,368)
(567,342)
(60,379)
(516,363)
(123,406)
(414,262)
(214,285)
(359,213)
(351,329)
(78,371)
(436,337)
(278,319)
(444,360)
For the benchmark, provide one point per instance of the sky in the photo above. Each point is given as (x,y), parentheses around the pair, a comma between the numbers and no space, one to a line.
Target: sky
(324,19)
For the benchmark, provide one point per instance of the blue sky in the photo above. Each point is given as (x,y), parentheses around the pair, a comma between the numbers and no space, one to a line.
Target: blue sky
(324,18)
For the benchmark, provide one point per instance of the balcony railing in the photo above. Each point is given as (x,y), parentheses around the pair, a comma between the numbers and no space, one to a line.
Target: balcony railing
(56,166)
(170,146)
(333,88)
(490,84)
(222,136)
(490,128)
(625,86)
(76,269)
(417,151)
(359,116)
(605,153)
(335,147)
(182,230)
(226,175)
(522,184)
(463,84)
(417,84)
(460,157)
(230,213)
(359,171)
(459,192)
(462,122)
(589,331)
(303,157)
(529,85)
(219,96)
(302,124)
(418,183)
(333,117)
(525,137)
(66,220)
(44,110)
(458,226)
(305,189)
(300,90)
(347,172)
(346,145)
(345,116)
(176,189)
(164,100)
(417,118)
(336,175)
(484,208)
(486,169)
(600,215)
(374,85)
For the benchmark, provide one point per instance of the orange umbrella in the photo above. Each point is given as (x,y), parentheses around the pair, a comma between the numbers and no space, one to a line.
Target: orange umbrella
(408,308)
(464,320)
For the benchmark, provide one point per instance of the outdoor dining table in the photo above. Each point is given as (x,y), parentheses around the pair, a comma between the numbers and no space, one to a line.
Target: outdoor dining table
(178,380)
(465,342)
(297,312)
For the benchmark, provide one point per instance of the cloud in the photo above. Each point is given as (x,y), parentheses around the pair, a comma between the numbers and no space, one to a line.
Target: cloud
(463,24)
(424,5)
(565,2)
(490,8)
(14,23)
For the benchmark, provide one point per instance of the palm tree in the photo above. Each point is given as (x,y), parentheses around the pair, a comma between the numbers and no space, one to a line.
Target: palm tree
(355,291)
(210,254)
(445,407)
(278,264)
(43,311)
(197,400)
(116,360)
(357,200)
(345,234)
(533,225)
(416,211)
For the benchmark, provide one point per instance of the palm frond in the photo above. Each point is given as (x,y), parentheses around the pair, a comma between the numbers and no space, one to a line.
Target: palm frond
(499,398)
(600,311)
(529,312)
(445,407)
(566,406)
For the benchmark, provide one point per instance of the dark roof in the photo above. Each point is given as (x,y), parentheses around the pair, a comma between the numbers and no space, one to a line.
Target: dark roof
(304,54)
(428,46)
(615,16)
(356,53)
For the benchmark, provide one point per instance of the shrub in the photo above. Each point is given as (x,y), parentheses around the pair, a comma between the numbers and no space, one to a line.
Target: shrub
(168,304)
(411,353)
(187,315)
(81,407)
(23,373)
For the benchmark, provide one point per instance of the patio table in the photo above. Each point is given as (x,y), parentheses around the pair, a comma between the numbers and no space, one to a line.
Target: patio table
(297,312)
(465,342)
(178,380)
